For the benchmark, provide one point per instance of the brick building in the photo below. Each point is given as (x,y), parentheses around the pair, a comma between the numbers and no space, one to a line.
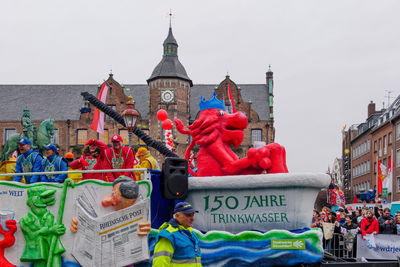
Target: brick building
(169,87)
(371,141)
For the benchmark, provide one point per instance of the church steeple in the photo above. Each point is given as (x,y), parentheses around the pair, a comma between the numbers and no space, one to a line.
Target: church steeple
(170,44)
(170,67)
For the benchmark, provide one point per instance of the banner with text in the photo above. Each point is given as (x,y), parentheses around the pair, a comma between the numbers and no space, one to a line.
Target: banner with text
(387,247)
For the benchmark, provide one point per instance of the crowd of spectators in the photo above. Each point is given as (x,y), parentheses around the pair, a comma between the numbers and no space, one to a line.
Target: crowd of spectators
(345,223)
(365,220)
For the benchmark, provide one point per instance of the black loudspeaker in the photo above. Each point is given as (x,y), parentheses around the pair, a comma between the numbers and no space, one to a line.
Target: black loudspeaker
(174,178)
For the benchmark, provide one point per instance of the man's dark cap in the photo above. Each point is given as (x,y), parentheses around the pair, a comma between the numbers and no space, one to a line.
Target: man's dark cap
(184,207)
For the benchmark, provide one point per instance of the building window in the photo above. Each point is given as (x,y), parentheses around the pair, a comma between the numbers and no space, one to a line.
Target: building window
(390,138)
(384,145)
(113,107)
(81,136)
(398,131)
(54,139)
(103,137)
(375,146)
(398,184)
(125,136)
(256,135)
(380,147)
(9,132)
(398,158)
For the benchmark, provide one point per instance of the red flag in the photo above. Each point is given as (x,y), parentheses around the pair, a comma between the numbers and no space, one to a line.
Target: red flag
(98,119)
(381,175)
(230,99)
(355,200)
(387,181)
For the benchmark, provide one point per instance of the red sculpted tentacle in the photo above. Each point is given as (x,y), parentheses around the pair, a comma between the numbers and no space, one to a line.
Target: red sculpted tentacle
(180,127)
(187,156)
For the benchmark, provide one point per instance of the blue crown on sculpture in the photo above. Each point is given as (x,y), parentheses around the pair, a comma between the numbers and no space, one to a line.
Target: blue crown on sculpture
(213,103)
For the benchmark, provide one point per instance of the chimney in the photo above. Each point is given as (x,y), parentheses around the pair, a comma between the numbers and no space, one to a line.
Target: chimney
(371,109)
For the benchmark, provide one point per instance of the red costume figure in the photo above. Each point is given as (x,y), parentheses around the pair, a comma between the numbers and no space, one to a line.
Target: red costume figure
(8,241)
(118,157)
(92,159)
(215,130)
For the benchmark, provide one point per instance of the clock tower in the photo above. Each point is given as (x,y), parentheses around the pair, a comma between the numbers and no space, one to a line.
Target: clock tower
(169,87)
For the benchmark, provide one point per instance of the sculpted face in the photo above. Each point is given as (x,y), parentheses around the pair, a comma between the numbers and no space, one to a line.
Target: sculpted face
(213,123)
(117,200)
(233,127)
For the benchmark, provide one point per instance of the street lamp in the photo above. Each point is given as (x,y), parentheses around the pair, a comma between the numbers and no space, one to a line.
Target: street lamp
(130,116)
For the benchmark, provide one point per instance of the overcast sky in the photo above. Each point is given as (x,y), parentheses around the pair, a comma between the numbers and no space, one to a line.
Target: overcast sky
(329,58)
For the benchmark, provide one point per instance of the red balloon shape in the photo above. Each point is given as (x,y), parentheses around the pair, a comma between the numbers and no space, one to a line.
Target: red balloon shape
(167,124)
(162,115)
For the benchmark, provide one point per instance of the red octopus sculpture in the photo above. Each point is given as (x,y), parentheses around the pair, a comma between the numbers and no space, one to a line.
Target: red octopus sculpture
(8,241)
(215,131)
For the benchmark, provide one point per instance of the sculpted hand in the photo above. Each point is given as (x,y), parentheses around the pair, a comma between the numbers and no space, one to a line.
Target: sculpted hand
(259,158)
(11,225)
(144,228)
(74,225)
(58,229)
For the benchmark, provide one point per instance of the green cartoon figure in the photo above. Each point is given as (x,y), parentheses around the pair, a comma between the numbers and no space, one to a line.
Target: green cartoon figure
(40,230)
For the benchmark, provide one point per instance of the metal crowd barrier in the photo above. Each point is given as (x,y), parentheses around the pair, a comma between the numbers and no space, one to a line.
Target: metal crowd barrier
(146,172)
(341,246)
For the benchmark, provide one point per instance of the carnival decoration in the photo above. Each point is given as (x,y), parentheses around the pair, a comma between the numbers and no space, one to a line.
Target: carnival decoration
(34,237)
(336,196)
(7,229)
(138,132)
(215,131)
(167,125)
(162,115)
(253,248)
(39,227)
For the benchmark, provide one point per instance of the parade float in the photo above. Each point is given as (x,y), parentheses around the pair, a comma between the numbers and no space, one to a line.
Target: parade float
(252,212)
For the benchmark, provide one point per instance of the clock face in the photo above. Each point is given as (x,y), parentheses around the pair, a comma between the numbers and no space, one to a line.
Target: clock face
(167,96)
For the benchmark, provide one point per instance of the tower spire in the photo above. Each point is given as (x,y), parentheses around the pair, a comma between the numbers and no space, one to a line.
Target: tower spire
(170,18)
(170,65)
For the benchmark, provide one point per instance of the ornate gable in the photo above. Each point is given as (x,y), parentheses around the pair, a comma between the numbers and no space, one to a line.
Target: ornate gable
(239,103)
